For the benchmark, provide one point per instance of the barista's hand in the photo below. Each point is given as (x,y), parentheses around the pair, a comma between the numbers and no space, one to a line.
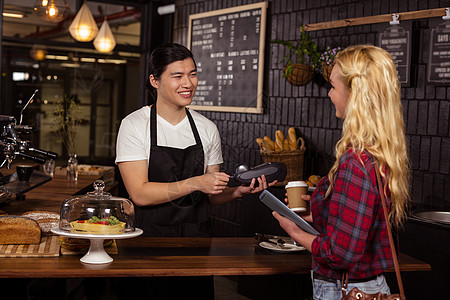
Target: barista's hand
(213,183)
(251,189)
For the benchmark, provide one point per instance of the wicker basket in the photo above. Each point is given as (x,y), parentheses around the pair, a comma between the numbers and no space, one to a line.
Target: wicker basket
(326,71)
(300,75)
(293,159)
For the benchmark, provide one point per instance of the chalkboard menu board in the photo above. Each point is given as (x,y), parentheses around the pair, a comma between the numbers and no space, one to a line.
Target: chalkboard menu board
(396,40)
(228,47)
(439,60)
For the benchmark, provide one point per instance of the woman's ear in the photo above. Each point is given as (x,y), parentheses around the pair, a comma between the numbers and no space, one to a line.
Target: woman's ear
(153,81)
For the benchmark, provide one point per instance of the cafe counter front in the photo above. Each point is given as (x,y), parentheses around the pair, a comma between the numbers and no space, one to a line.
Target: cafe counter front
(149,257)
(156,257)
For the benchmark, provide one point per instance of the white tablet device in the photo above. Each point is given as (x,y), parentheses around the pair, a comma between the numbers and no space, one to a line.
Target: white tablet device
(274,203)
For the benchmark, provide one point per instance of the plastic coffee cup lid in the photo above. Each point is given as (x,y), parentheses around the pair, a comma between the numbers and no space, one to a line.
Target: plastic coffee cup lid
(291,184)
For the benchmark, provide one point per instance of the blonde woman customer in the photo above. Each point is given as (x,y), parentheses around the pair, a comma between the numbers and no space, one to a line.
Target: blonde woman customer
(346,207)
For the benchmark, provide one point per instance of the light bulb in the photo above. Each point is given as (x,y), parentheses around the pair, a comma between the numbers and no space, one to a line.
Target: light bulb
(104,44)
(84,32)
(38,52)
(83,27)
(52,11)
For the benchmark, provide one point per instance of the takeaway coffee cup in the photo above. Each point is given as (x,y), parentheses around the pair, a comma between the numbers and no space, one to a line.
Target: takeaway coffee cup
(295,190)
(24,172)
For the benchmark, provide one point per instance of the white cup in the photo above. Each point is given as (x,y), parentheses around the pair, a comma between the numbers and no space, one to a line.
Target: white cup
(295,190)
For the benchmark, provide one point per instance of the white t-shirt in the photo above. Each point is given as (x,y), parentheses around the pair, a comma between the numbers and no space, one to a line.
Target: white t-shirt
(133,140)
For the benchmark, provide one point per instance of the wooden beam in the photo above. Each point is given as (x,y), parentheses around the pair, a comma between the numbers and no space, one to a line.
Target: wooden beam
(412,15)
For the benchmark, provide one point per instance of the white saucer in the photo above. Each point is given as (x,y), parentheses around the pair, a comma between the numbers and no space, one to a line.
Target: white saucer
(286,248)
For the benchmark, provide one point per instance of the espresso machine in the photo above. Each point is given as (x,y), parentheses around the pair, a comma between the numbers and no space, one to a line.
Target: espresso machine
(13,146)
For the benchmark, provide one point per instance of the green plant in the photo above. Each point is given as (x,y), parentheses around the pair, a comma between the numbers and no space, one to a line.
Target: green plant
(303,51)
(327,57)
(67,120)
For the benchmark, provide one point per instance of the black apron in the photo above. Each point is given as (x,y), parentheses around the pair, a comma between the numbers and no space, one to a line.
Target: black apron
(186,216)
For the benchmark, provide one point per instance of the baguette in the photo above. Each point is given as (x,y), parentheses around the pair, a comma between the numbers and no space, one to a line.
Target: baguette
(260,143)
(269,143)
(292,138)
(19,230)
(279,140)
(286,145)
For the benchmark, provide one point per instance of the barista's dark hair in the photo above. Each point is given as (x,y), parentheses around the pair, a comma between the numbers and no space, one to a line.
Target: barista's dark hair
(162,56)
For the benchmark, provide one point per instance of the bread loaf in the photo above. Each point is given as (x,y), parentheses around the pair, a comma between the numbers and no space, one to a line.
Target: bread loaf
(74,244)
(292,138)
(46,219)
(260,142)
(279,140)
(286,145)
(269,143)
(19,230)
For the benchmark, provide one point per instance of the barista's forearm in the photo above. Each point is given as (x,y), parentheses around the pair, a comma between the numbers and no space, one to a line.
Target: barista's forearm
(152,193)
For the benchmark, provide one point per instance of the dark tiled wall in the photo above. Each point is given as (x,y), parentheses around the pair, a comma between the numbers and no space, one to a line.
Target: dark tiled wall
(426,106)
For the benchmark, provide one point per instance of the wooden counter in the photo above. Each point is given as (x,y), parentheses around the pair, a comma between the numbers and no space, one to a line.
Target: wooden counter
(162,257)
(50,195)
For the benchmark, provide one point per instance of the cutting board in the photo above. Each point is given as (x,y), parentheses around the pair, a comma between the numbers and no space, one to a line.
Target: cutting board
(48,247)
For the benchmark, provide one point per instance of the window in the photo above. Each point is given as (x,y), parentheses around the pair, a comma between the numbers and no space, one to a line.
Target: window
(60,68)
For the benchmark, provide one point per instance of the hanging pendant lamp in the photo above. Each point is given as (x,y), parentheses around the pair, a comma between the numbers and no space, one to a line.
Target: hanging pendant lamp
(51,10)
(104,42)
(38,52)
(83,28)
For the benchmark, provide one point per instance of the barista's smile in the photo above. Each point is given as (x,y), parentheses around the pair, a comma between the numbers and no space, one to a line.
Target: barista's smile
(186,94)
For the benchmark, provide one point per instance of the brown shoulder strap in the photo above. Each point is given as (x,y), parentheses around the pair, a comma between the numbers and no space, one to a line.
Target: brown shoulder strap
(388,226)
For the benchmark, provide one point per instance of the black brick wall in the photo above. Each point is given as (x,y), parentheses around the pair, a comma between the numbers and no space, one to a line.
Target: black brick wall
(426,107)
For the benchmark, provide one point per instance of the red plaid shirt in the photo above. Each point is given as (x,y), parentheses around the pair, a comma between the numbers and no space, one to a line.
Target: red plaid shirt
(353,231)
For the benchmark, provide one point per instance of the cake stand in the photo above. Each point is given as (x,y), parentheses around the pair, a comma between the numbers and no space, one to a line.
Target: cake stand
(97,253)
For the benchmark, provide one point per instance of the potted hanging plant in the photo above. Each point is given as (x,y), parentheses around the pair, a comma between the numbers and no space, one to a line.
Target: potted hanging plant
(327,61)
(301,60)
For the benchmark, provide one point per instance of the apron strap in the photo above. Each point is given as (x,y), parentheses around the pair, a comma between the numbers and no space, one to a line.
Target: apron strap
(153,125)
(194,128)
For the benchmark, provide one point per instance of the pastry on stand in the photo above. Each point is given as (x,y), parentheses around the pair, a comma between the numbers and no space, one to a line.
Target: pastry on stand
(97,216)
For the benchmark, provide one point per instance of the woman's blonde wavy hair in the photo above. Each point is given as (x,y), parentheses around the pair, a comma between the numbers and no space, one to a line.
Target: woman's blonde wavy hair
(374,119)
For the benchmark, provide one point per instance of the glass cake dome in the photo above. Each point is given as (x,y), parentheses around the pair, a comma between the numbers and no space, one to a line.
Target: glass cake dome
(97,212)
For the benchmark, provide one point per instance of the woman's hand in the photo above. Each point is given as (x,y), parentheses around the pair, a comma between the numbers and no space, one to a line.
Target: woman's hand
(290,227)
(307,216)
(302,237)
(251,189)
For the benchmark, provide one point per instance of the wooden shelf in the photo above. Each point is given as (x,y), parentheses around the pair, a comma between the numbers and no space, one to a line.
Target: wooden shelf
(412,15)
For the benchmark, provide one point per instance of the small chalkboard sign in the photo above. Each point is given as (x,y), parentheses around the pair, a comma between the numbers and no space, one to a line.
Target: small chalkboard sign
(228,47)
(439,57)
(397,41)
